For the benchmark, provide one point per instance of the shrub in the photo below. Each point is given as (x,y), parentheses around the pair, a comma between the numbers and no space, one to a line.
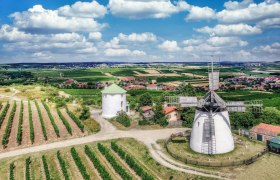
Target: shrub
(63,167)
(7,133)
(46,168)
(4,113)
(12,172)
(31,127)
(123,119)
(85,114)
(79,164)
(19,131)
(64,121)
(131,162)
(27,168)
(75,119)
(118,168)
(144,122)
(56,130)
(41,120)
(97,164)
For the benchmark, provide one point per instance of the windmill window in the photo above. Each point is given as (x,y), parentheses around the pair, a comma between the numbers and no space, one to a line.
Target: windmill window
(197,124)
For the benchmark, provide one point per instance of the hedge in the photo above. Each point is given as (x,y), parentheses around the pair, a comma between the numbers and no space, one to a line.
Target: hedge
(64,121)
(63,166)
(75,119)
(19,131)
(4,113)
(12,172)
(7,133)
(31,126)
(110,158)
(131,162)
(46,168)
(79,164)
(27,168)
(97,164)
(41,120)
(56,130)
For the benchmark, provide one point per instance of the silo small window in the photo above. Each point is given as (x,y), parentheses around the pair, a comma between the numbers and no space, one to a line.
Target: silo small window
(121,104)
(197,124)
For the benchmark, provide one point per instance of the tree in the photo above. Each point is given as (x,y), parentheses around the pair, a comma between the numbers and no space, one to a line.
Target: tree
(188,116)
(145,100)
(242,120)
(186,89)
(85,114)
(159,116)
(123,119)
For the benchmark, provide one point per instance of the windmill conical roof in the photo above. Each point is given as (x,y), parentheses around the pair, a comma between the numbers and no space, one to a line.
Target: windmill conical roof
(114,89)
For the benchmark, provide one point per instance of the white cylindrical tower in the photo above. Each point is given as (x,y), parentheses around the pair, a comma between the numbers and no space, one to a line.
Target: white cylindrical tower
(113,101)
(220,141)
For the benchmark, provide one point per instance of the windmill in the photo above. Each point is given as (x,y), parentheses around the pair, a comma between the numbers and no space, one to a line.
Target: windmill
(211,130)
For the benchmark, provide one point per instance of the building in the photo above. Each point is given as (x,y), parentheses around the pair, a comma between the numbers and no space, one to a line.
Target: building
(147,112)
(274,145)
(152,87)
(172,115)
(264,132)
(113,101)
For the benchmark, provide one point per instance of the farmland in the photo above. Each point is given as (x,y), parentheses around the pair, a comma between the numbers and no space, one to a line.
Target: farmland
(90,161)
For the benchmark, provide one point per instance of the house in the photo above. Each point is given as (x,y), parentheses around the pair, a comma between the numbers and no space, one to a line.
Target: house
(172,115)
(152,87)
(134,87)
(264,132)
(147,112)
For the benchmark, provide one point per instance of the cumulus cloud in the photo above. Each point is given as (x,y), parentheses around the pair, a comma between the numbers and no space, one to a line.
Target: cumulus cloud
(170,46)
(192,41)
(226,41)
(83,9)
(228,30)
(9,33)
(40,19)
(123,52)
(269,23)
(200,13)
(274,48)
(134,37)
(247,11)
(139,9)
(95,35)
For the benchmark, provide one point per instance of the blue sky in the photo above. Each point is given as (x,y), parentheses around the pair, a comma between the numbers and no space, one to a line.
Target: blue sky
(138,30)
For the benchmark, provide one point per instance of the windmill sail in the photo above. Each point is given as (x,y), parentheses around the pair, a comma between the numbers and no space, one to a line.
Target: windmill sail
(214,83)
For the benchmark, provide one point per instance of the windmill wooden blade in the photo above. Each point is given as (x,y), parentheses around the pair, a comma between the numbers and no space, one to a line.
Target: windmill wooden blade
(242,106)
(214,83)
(181,101)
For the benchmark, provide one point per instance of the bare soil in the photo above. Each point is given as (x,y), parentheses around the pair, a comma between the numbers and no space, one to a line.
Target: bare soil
(13,136)
(4,124)
(38,133)
(75,129)
(25,126)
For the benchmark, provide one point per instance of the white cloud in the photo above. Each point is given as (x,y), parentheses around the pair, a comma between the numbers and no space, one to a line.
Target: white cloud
(170,46)
(95,35)
(139,9)
(226,41)
(123,52)
(271,49)
(83,9)
(200,13)
(269,23)
(40,55)
(40,19)
(192,42)
(9,33)
(247,11)
(134,37)
(230,30)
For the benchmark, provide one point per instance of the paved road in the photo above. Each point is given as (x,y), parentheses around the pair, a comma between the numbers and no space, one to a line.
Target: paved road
(107,132)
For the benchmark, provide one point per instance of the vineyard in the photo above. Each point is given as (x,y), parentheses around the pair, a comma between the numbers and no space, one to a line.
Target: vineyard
(27,123)
(91,161)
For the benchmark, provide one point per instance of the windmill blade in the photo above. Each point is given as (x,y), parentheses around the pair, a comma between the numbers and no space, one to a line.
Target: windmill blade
(214,83)
(188,101)
(255,106)
(236,106)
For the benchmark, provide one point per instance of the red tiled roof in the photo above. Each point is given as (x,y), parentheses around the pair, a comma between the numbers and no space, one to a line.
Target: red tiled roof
(152,85)
(267,129)
(169,109)
(146,108)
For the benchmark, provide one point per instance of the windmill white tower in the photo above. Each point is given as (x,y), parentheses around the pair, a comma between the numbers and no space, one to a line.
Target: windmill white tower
(211,130)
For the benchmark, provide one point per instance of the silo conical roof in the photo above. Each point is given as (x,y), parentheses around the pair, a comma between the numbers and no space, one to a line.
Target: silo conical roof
(113,89)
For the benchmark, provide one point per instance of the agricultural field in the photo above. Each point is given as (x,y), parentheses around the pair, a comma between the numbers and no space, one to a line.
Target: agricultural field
(25,123)
(101,160)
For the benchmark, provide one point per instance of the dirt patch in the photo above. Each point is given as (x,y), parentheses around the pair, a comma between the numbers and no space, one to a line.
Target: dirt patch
(76,132)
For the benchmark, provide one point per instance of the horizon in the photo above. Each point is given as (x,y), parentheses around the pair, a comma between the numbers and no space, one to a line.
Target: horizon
(139,31)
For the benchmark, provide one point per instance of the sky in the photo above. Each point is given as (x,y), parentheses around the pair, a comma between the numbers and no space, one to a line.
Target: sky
(139,30)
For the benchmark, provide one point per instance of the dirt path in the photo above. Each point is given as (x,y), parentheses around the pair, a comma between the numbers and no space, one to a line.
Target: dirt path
(76,132)
(4,124)
(13,136)
(38,134)
(25,126)
(49,127)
